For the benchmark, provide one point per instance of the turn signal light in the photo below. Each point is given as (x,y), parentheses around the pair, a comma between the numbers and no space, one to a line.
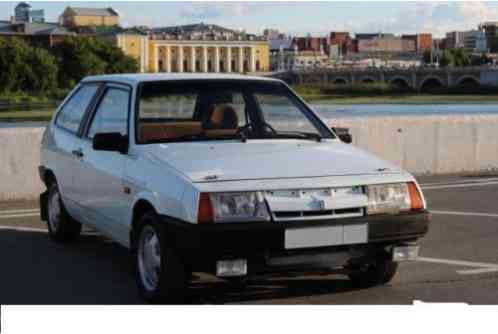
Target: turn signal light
(415,198)
(205,214)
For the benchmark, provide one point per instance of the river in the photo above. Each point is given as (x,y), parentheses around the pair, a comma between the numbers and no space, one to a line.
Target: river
(330,110)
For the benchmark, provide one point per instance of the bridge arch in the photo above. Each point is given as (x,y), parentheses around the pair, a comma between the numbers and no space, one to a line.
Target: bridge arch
(431,83)
(340,81)
(400,82)
(367,80)
(468,81)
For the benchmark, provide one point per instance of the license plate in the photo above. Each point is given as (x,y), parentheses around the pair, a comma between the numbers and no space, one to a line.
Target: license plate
(326,236)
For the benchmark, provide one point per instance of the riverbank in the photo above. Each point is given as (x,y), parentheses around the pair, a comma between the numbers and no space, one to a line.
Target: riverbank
(423,99)
(388,94)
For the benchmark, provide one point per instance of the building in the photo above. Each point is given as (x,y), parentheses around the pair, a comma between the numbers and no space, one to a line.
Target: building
(282,54)
(39,33)
(491,32)
(340,44)
(195,48)
(315,44)
(24,13)
(422,42)
(84,17)
(386,44)
(473,41)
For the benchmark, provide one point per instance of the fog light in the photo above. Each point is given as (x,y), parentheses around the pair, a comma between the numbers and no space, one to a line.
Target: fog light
(231,268)
(405,253)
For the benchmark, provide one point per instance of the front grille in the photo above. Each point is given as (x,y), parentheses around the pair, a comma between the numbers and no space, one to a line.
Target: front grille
(332,214)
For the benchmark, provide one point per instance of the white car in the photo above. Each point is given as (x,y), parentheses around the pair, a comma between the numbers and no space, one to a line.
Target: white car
(225,174)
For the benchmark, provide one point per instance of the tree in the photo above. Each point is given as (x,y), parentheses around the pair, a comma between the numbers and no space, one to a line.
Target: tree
(26,68)
(445,59)
(460,58)
(427,57)
(79,57)
(42,74)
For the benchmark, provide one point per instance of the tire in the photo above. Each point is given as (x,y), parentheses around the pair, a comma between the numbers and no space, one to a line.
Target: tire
(378,272)
(160,274)
(62,228)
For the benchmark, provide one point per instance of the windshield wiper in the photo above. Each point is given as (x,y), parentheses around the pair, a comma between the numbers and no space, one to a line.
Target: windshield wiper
(296,134)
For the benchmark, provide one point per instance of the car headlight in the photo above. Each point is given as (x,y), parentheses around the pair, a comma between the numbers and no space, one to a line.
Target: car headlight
(232,207)
(393,198)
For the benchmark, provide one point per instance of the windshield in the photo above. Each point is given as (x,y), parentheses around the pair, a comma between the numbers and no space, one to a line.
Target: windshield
(220,110)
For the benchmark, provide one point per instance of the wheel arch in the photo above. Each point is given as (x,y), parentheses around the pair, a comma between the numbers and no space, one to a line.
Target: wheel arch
(141,207)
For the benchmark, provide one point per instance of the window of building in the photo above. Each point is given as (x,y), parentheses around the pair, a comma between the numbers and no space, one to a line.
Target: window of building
(72,112)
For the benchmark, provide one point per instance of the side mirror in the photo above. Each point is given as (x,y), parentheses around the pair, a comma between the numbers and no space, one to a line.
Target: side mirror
(110,141)
(343,134)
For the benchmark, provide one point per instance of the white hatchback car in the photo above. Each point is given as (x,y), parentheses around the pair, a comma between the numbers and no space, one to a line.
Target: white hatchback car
(225,174)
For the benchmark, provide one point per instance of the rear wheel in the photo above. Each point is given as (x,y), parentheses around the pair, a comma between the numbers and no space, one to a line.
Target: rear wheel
(380,271)
(161,275)
(61,226)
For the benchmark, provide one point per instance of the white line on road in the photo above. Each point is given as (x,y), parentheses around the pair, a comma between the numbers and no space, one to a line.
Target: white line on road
(2,212)
(477,271)
(20,215)
(457,185)
(483,267)
(459,213)
(23,229)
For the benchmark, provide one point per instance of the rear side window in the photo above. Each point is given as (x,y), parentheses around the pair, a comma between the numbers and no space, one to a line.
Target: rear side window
(72,112)
(112,113)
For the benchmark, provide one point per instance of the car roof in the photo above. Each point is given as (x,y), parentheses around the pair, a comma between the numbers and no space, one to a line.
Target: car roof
(134,79)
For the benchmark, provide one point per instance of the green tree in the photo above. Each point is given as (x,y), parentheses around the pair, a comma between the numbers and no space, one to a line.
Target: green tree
(42,73)
(79,57)
(460,58)
(427,57)
(26,68)
(445,59)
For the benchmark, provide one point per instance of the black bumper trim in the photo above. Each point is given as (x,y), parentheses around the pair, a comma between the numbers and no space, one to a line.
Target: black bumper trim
(202,245)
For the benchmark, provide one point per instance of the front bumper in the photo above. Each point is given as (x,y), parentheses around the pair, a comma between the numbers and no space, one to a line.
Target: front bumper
(263,244)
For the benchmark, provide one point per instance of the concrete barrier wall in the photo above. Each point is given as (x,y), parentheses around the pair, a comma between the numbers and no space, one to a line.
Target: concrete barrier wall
(19,161)
(429,144)
(421,145)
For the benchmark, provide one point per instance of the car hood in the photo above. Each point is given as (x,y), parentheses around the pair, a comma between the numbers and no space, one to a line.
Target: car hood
(266,159)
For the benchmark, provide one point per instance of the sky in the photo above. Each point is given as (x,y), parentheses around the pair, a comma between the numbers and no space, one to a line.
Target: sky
(295,18)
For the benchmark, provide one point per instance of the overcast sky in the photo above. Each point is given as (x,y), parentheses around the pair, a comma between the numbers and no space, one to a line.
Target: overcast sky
(297,18)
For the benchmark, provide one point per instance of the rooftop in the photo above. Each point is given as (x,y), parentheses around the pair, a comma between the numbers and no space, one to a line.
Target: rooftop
(93,11)
(33,28)
(137,78)
(193,28)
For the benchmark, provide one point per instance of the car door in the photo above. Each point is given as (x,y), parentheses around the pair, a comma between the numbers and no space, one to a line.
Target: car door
(67,136)
(100,181)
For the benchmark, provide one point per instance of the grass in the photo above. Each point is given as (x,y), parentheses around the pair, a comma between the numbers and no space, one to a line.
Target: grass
(24,116)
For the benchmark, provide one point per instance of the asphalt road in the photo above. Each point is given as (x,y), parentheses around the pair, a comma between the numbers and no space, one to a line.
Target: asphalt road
(458,261)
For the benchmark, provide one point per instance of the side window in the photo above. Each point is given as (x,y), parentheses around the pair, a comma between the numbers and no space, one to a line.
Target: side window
(73,111)
(112,113)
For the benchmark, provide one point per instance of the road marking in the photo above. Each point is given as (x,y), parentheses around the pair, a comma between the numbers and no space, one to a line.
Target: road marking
(20,215)
(457,185)
(473,181)
(459,213)
(477,271)
(23,229)
(18,211)
(483,267)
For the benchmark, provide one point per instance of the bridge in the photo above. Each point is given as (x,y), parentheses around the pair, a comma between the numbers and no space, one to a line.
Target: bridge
(419,79)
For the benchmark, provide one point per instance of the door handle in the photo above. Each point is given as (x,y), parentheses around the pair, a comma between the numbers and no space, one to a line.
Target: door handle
(78,153)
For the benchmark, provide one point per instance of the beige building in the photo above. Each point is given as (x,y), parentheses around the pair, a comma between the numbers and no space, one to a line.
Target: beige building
(86,17)
(196,48)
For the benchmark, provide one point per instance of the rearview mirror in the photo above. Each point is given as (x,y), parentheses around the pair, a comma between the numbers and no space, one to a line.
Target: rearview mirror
(343,134)
(110,141)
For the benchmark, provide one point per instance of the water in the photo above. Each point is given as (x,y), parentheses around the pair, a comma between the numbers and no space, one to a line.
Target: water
(330,110)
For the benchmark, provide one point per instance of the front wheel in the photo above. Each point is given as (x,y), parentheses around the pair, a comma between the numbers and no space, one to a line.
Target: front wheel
(378,272)
(161,276)
(61,226)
